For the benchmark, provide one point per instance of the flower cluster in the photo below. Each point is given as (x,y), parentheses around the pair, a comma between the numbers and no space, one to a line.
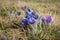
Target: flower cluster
(30,17)
(46,19)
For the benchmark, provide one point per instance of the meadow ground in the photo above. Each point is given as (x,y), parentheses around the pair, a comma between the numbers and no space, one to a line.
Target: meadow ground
(44,7)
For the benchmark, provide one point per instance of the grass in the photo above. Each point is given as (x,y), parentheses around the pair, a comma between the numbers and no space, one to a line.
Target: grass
(13,30)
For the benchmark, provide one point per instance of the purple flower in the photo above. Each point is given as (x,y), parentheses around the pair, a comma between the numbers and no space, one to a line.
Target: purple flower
(30,10)
(31,20)
(18,13)
(28,16)
(29,13)
(43,19)
(33,13)
(48,19)
(35,16)
(25,21)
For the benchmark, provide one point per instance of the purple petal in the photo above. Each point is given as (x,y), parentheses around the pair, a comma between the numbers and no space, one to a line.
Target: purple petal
(48,19)
(25,21)
(36,16)
(43,19)
(31,21)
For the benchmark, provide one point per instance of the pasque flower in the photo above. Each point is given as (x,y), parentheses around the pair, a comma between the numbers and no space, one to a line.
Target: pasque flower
(35,16)
(48,19)
(30,10)
(18,13)
(29,13)
(31,20)
(24,21)
(28,16)
(43,19)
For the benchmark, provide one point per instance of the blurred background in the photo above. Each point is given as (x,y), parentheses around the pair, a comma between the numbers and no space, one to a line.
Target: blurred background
(10,31)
